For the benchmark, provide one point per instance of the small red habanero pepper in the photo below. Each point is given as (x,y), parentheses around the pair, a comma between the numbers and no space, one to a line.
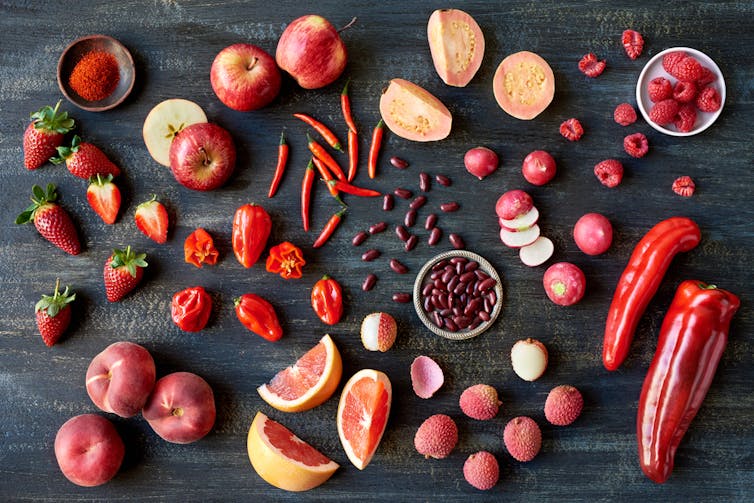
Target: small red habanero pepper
(286,259)
(191,308)
(692,339)
(327,300)
(258,315)
(199,248)
(640,280)
(251,228)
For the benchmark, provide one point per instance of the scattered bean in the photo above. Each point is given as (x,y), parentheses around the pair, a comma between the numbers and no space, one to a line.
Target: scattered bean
(457,241)
(397,266)
(370,255)
(434,236)
(410,218)
(377,228)
(402,297)
(403,193)
(388,202)
(450,207)
(369,282)
(425,183)
(402,233)
(398,162)
(430,222)
(411,242)
(359,238)
(443,180)
(418,202)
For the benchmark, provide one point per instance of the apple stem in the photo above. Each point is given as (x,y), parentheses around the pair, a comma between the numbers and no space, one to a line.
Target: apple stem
(252,63)
(348,25)
(206,160)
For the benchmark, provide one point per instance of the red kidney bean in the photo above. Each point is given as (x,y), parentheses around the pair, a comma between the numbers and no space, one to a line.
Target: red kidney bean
(456,241)
(403,193)
(430,222)
(467,276)
(483,315)
(446,312)
(459,289)
(388,202)
(487,284)
(427,289)
(493,297)
(425,183)
(397,266)
(418,202)
(434,236)
(450,207)
(470,287)
(377,228)
(440,265)
(411,242)
(471,266)
(438,284)
(446,276)
(437,319)
(359,238)
(473,306)
(402,297)
(370,255)
(475,324)
(427,304)
(481,274)
(450,325)
(398,162)
(486,306)
(402,232)
(452,283)
(462,321)
(410,219)
(459,268)
(369,282)
(443,180)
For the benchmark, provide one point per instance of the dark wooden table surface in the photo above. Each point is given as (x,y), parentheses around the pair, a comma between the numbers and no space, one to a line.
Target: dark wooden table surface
(173,43)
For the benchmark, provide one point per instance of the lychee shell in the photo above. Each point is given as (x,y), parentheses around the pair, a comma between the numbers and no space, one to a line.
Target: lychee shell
(563,405)
(480,402)
(481,470)
(436,437)
(522,438)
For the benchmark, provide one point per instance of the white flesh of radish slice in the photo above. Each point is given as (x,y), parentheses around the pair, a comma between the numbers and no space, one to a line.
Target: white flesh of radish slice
(517,239)
(538,252)
(521,222)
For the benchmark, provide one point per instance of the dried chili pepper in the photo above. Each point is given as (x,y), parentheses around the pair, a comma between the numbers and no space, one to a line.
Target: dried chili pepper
(692,338)
(306,194)
(327,300)
(251,228)
(353,154)
(345,105)
(323,130)
(374,148)
(329,228)
(258,315)
(199,248)
(640,280)
(321,154)
(353,189)
(283,149)
(190,309)
(287,260)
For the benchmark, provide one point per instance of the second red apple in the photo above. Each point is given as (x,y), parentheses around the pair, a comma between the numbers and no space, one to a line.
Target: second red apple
(244,77)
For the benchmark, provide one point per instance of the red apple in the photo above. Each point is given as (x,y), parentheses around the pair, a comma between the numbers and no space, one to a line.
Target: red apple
(244,77)
(89,450)
(311,50)
(202,156)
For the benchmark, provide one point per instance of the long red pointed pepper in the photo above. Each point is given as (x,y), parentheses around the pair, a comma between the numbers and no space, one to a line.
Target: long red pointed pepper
(329,228)
(323,130)
(280,168)
(326,176)
(353,154)
(345,105)
(321,154)
(306,194)
(353,189)
(374,149)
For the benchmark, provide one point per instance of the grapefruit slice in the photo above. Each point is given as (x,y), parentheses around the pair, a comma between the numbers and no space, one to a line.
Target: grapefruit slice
(362,414)
(308,382)
(284,460)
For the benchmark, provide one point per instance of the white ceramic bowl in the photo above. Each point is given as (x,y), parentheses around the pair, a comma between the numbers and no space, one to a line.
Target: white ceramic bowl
(654,69)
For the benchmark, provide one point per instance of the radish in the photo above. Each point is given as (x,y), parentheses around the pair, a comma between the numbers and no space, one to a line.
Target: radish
(564,283)
(521,222)
(537,253)
(538,167)
(480,161)
(513,203)
(593,234)
(517,239)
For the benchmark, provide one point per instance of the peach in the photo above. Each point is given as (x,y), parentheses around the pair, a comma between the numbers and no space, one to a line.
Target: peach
(181,409)
(89,450)
(120,378)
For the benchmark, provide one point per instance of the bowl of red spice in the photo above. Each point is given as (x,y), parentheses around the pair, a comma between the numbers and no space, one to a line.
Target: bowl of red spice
(96,72)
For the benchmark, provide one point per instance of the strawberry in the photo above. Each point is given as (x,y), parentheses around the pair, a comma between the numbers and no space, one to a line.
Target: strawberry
(51,220)
(85,160)
(44,135)
(104,197)
(54,314)
(123,272)
(633,43)
(152,219)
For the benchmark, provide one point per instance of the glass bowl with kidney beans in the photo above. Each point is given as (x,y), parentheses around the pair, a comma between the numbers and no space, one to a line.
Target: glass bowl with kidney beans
(458,294)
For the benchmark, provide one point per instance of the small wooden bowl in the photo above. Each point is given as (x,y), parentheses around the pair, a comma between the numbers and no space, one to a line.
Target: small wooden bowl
(78,49)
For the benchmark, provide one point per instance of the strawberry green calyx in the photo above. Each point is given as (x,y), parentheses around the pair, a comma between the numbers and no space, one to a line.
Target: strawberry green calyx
(129,259)
(53,304)
(100,179)
(48,119)
(41,198)
(66,152)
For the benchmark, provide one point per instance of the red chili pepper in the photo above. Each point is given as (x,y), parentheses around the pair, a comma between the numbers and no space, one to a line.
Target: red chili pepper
(353,154)
(306,194)
(258,315)
(374,149)
(251,228)
(353,189)
(286,259)
(693,336)
(191,308)
(327,300)
(329,228)
(321,154)
(323,130)
(640,280)
(199,248)
(326,176)
(283,149)
(345,105)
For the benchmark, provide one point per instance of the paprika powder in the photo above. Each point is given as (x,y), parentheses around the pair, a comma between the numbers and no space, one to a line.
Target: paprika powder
(95,76)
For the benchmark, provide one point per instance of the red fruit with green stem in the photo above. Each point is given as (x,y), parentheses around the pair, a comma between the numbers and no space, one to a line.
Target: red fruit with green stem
(44,135)
(51,220)
(151,218)
(85,160)
(104,197)
(123,272)
(53,314)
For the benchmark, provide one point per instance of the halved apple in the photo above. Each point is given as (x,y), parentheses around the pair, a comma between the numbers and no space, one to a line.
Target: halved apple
(517,239)
(164,121)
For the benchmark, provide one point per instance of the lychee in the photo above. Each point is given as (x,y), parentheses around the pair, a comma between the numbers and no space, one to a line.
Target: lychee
(426,376)
(480,402)
(481,470)
(378,332)
(522,438)
(563,405)
(529,359)
(436,437)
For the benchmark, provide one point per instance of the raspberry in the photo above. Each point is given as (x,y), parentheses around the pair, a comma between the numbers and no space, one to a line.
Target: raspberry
(591,66)
(609,172)
(686,118)
(636,145)
(687,69)
(684,91)
(684,186)
(633,42)
(663,112)
(659,89)
(671,59)
(708,77)
(571,130)
(624,114)
(708,100)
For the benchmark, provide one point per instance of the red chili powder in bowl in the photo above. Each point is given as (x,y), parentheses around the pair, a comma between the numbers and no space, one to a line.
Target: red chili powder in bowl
(95,76)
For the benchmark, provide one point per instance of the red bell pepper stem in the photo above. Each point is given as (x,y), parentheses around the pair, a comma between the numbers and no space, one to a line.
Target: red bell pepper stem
(329,228)
(640,280)
(306,194)
(353,154)
(283,149)
(323,130)
(692,338)
(353,189)
(326,176)
(374,149)
(345,105)
(321,154)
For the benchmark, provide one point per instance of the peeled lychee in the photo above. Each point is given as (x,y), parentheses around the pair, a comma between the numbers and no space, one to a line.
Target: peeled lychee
(436,437)
(563,405)
(529,359)
(481,470)
(522,438)
(378,332)
(480,402)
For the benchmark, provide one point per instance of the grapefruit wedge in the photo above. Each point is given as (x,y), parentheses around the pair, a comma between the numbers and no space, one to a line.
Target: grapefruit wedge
(284,460)
(362,414)
(308,382)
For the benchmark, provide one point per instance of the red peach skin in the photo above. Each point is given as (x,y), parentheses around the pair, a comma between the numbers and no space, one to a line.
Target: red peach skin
(89,450)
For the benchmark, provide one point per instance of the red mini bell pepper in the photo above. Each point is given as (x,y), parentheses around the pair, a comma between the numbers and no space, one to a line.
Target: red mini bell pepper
(286,259)
(251,228)
(191,308)
(640,280)
(258,315)
(327,300)
(692,339)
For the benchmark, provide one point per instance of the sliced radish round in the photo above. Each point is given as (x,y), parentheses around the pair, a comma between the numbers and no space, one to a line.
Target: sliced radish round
(517,239)
(426,376)
(538,252)
(521,222)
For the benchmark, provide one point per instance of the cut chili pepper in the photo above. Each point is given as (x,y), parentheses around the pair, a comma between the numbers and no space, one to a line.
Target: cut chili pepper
(345,105)
(353,154)
(306,194)
(327,300)
(374,149)
(353,189)
(329,228)
(287,260)
(199,248)
(323,130)
(280,168)
(321,154)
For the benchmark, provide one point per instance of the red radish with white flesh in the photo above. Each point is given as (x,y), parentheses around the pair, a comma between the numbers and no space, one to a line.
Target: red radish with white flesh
(593,234)
(517,239)
(564,283)
(480,162)
(521,222)
(513,203)
(538,167)
(537,253)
